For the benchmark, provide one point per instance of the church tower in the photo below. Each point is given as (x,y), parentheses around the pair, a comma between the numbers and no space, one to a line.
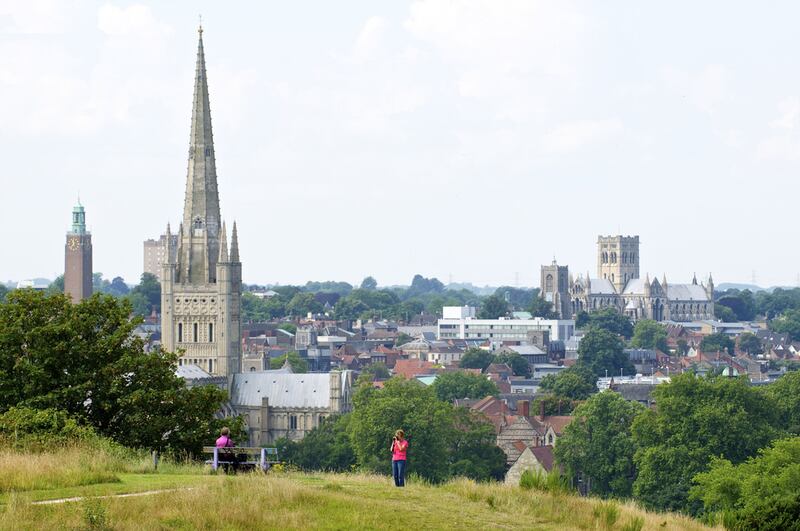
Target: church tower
(202,280)
(618,259)
(554,288)
(78,258)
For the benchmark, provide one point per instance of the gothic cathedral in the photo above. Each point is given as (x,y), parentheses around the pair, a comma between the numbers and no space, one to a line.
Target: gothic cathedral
(202,281)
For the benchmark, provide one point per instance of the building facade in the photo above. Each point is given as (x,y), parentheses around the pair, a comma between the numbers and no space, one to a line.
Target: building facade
(278,403)
(618,259)
(498,330)
(201,286)
(78,258)
(155,254)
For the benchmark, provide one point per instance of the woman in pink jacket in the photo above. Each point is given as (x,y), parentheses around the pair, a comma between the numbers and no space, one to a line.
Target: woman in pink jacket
(398,449)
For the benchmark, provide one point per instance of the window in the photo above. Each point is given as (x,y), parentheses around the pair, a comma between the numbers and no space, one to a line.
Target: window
(210,332)
(194,332)
(548,284)
(180,332)
(211,366)
(292,422)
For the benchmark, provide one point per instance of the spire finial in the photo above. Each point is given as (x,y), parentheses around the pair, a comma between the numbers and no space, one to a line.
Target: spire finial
(234,257)
(200,24)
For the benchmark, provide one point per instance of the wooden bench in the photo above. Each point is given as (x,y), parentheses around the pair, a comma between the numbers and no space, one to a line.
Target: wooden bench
(227,456)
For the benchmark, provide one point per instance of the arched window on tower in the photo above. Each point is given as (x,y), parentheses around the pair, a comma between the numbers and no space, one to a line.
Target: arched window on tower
(613,258)
(194,332)
(548,283)
(180,332)
(210,332)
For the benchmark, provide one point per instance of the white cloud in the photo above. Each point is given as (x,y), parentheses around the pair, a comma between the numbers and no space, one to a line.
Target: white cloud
(790,112)
(574,135)
(369,40)
(135,19)
(36,17)
(779,148)
(707,90)
(514,56)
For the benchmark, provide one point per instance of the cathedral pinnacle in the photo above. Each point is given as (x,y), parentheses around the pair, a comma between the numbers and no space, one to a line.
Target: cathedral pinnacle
(223,245)
(234,244)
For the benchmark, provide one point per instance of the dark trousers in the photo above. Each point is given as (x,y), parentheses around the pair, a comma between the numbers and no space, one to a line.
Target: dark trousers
(399,472)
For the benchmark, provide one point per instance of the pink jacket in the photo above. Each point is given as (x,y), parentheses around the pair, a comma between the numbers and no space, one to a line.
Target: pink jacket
(225,442)
(399,450)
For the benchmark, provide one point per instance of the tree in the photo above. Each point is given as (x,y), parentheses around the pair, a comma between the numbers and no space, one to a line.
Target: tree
(576,383)
(741,303)
(649,334)
(349,309)
(369,283)
(412,406)
(150,289)
(326,447)
(57,286)
(516,297)
(3,292)
(377,370)
(683,347)
(551,404)
(302,304)
(611,320)
(785,394)
(695,419)
(598,445)
(402,339)
(421,285)
(749,342)
(100,284)
(139,304)
(760,493)
(724,314)
(582,319)
(118,288)
(539,307)
(719,342)
(84,359)
(475,358)
(493,307)
(298,364)
(788,323)
(473,451)
(449,386)
(289,327)
(519,365)
(602,353)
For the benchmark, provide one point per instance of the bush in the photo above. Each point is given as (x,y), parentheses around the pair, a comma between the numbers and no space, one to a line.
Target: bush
(28,428)
(781,515)
(553,482)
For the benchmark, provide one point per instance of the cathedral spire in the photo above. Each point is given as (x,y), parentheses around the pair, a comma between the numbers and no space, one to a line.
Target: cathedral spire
(201,218)
(234,244)
(223,245)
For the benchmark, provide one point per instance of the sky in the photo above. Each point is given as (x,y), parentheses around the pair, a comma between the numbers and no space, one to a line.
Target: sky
(472,141)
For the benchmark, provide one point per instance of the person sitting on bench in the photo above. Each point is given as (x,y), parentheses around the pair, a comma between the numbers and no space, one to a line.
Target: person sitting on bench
(225,441)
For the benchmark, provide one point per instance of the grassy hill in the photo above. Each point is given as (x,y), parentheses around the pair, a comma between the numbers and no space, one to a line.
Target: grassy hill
(189,497)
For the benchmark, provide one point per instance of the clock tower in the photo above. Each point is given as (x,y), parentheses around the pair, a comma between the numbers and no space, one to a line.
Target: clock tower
(78,258)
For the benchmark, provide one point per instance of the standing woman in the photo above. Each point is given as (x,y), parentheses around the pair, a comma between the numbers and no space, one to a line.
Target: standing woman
(398,449)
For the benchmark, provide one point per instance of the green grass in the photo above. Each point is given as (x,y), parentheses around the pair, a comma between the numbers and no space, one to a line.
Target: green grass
(321,501)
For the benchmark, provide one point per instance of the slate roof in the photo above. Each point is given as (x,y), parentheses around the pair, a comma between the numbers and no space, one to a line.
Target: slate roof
(602,286)
(686,292)
(191,372)
(544,454)
(283,389)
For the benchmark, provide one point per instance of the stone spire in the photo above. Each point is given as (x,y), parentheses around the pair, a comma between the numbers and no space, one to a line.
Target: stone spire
(223,245)
(201,218)
(694,279)
(234,244)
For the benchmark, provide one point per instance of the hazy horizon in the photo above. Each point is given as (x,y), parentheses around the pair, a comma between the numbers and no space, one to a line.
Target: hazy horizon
(471,141)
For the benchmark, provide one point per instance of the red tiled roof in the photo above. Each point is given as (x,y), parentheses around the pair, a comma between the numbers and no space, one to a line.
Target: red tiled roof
(519,445)
(409,369)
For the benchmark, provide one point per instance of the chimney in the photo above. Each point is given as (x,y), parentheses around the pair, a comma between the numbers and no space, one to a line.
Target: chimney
(524,408)
(541,411)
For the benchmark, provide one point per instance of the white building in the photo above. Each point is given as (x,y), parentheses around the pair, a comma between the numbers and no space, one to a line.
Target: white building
(459,323)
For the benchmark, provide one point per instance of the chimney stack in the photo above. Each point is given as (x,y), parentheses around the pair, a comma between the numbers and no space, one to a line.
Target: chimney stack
(524,408)
(541,411)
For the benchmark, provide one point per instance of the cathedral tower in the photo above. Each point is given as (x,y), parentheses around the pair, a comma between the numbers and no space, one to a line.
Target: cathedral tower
(202,281)
(618,259)
(78,258)
(554,288)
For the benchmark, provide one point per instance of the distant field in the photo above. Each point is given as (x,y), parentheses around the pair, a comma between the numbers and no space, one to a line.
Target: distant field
(298,501)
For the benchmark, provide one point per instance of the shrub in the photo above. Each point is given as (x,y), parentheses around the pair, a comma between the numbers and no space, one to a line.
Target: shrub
(607,514)
(27,427)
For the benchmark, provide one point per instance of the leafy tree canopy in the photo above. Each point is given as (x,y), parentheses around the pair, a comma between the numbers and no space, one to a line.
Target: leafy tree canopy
(608,319)
(493,307)
(369,283)
(475,358)
(519,365)
(84,359)
(449,386)
(298,364)
(598,445)
(649,334)
(695,419)
(577,382)
(601,352)
(719,342)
